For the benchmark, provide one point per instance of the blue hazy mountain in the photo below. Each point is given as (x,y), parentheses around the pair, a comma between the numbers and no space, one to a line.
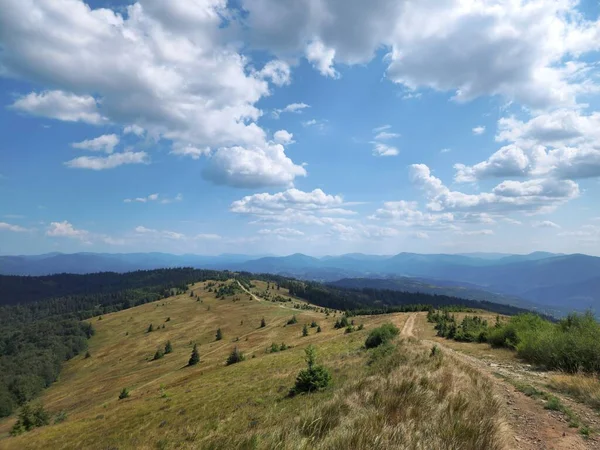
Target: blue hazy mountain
(540,277)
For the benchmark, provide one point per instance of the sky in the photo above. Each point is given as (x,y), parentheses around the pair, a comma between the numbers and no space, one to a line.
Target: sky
(312,126)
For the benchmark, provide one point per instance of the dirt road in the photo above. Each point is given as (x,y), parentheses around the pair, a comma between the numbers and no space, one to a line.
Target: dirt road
(533,426)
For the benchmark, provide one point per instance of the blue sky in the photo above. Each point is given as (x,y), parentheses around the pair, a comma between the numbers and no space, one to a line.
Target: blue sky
(260,127)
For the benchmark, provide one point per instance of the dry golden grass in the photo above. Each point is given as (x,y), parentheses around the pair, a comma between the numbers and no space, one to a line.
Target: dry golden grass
(583,388)
(412,402)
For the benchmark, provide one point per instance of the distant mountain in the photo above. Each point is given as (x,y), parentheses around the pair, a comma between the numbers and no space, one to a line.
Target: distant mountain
(544,278)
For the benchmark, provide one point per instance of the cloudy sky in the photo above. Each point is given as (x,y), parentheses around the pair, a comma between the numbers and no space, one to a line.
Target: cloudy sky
(314,126)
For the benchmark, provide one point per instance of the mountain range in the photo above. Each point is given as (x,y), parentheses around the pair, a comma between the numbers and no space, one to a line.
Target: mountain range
(545,280)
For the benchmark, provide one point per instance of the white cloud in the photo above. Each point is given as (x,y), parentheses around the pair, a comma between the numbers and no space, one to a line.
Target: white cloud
(169,68)
(385,135)
(14,228)
(277,71)
(59,105)
(545,224)
(563,144)
(159,233)
(285,232)
(154,198)
(475,233)
(291,108)
(283,137)
(253,167)
(108,162)
(530,52)
(207,237)
(105,143)
(290,199)
(134,129)
(479,130)
(322,58)
(421,235)
(445,150)
(531,196)
(380,149)
(190,150)
(356,232)
(66,229)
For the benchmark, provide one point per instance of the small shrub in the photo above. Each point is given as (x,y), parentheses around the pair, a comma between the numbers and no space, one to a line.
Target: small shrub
(235,357)
(283,347)
(274,348)
(313,378)
(342,323)
(435,350)
(313,324)
(319,329)
(60,417)
(150,328)
(349,329)
(361,327)
(124,394)
(263,323)
(158,355)
(304,331)
(381,335)
(168,319)
(88,354)
(292,321)
(168,348)
(219,335)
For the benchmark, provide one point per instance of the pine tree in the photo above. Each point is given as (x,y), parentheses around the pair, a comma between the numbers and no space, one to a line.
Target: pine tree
(195,358)
(150,328)
(305,330)
(263,323)
(168,347)
(319,329)
(219,335)
(159,354)
(235,357)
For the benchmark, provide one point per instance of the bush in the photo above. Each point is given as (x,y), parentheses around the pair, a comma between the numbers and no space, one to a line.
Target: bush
(235,356)
(263,323)
(292,321)
(124,394)
(150,328)
(30,417)
(342,323)
(219,335)
(168,347)
(88,355)
(314,377)
(159,354)
(304,331)
(381,335)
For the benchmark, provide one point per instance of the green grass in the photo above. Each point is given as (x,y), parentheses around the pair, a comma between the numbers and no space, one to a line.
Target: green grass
(551,402)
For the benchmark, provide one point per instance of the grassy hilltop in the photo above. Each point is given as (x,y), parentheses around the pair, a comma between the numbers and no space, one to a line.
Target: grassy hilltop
(396,396)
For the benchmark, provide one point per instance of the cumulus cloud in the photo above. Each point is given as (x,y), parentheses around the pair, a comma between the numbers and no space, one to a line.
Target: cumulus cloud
(531,196)
(108,162)
(59,105)
(14,228)
(380,149)
(524,51)
(322,58)
(253,167)
(564,144)
(478,130)
(283,137)
(134,129)
(105,143)
(141,67)
(67,230)
(290,199)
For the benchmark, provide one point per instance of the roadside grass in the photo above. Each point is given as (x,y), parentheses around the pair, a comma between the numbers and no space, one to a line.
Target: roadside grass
(583,388)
